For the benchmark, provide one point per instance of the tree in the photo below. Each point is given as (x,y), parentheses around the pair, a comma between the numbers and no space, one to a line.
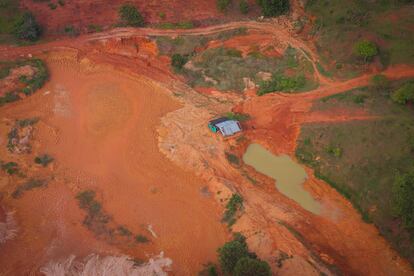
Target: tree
(271,8)
(366,49)
(27,28)
(403,194)
(251,267)
(131,16)
(404,94)
(244,6)
(222,5)
(178,61)
(230,254)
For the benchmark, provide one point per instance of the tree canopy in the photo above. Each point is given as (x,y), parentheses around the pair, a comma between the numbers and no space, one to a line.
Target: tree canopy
(27,28)
(251,267)
(272,8)
(403,194)
(130,15)
(366,49)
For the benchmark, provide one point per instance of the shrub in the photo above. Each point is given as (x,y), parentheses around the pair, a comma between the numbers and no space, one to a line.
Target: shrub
(92,28)
(222,5)
(234,205)
(27,28)
(380,82)
(233,159)
(52,6)
(366,49)
(161,15)
(244,6)
(141,239)
(29,185)
(71,31)
(209,270)
(10,167)
(404,94)
(123,231)
(230,254)
(131,16)
(272,8)
(43,160)
(403,194)
(178,61)
(61,3)
(251,267)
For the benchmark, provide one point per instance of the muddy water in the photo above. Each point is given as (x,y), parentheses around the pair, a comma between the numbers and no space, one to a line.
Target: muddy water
(289,175)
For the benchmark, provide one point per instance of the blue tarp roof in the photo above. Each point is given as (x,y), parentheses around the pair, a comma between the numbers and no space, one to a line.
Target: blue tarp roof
(229,127)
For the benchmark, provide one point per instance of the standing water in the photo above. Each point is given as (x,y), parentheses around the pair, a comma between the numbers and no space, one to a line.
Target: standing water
(289,175)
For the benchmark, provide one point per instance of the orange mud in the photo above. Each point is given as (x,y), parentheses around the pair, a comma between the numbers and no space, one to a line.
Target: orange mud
(100,126)
(106,120)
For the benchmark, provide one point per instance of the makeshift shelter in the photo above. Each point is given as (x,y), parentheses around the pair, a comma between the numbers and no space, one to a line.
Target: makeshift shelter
(225,126)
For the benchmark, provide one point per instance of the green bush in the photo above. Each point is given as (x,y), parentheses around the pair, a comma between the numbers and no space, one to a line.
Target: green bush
(209,270)
(222,5)
(366,49)
(403,194)
(29,185)
(281,83)
(178,61)
(10,167)
(130,16)
(71,30)
(230,254)
(238,116)
(244,7)
(61,3)
(141,239)
(233,159)
(404,94)
(251,267)
(380,82)
(43,160)
(27,27)
(234,205)
(272,8)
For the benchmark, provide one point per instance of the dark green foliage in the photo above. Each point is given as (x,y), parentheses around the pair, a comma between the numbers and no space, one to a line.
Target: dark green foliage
(233,159)
(43,160)
(29,185)
(27,122)
(92,28)
(366,49)
(403,198)
(234,206)
(178,61)
(404,94)
(281,83)
(222,5)
(244,7)
(209,270)
(141,239)
(230,254)
(61,2)
(272,8)
(251,267)
(52,6)
(10,167)
(27,27)
(130,16)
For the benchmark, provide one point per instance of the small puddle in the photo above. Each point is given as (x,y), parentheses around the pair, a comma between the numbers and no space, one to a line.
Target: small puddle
(289,175)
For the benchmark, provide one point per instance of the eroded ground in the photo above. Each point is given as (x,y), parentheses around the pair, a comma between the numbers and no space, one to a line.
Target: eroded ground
(119,122)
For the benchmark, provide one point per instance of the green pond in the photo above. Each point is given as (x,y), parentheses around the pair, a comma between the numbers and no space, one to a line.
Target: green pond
(289,175)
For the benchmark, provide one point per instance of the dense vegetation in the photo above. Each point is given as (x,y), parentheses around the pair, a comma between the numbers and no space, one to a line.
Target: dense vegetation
(130,16)
(222,5)
(272,8)
(27,28)
(236,259)
(30,85)
(370,162)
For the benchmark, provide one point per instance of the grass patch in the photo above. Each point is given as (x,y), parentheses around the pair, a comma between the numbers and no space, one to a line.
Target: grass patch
(173,26)
(233,208)
(241,117)
(27,186)
(360,158)
(340,24)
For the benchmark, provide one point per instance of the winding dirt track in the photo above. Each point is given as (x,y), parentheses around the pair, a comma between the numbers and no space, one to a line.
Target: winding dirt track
(273,224)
